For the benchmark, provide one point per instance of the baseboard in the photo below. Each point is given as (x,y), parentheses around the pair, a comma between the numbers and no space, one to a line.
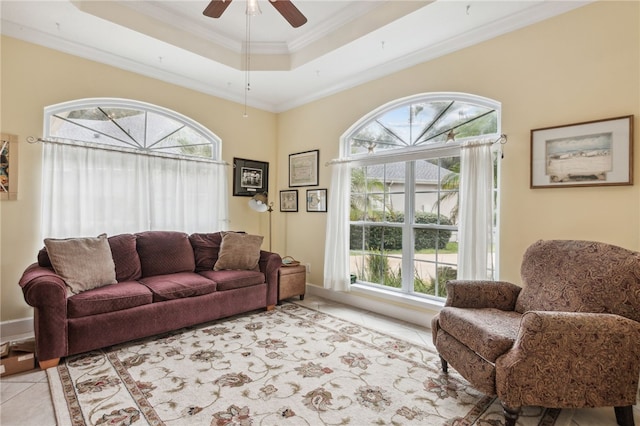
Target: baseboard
(410,314)
(19,327)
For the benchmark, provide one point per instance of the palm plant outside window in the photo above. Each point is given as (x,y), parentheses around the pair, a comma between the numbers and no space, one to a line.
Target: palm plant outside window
(404,190)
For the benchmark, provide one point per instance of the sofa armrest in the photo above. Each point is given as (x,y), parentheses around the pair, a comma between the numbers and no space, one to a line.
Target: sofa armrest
(482,294)
(269,265)
(570,359)
(46,291)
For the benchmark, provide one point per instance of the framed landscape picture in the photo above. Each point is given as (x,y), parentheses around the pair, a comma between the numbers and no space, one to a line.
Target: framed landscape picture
(250,177)
(593,153)
(289,200)
(316,200)
(303,168)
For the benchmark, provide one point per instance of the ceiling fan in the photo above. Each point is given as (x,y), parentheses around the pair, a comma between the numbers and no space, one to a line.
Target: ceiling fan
(287,9)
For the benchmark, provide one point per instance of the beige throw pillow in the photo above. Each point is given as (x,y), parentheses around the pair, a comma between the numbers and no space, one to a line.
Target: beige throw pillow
(239,251)
(83,263)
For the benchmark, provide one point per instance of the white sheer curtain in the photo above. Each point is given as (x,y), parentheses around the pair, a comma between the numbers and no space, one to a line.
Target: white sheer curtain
(336,251)
(87,191)
(476,211)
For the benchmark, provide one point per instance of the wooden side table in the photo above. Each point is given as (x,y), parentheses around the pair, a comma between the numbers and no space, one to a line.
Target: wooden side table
(292,281)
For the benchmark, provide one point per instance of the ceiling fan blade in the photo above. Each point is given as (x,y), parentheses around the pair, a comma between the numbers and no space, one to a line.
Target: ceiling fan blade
(216,8)
(290,12)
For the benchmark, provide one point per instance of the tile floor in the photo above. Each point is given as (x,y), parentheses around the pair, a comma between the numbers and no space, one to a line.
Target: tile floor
(25,398)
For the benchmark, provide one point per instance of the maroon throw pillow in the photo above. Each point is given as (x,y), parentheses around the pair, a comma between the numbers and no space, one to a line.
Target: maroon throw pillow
(164,252)
(125,257)
(205,249)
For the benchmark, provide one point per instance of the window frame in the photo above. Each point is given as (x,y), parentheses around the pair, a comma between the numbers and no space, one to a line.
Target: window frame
(202,173)
(87,103)
(409,155)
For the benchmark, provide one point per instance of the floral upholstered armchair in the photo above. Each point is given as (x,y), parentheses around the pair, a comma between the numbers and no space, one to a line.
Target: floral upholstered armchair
(569,338)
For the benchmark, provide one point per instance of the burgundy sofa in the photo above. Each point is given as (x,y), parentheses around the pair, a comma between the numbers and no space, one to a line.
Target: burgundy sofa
(165,281)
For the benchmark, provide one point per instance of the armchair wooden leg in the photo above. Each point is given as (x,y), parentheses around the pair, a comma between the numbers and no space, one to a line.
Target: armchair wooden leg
(510,415)
(444,364)
(624,415)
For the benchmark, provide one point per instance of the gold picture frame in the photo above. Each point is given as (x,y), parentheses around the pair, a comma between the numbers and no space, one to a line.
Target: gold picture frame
(591,153)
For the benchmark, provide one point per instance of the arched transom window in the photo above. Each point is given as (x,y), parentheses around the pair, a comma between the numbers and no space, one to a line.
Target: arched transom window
(131,125)
(422,121)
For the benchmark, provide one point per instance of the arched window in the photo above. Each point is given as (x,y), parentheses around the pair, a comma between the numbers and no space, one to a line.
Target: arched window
(130,126)
(119,165)
(404,162)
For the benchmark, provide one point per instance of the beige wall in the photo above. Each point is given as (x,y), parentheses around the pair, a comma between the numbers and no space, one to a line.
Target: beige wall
(583,65)
(34,77)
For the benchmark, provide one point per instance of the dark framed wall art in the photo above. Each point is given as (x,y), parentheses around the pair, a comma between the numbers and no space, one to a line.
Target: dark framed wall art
(289,200)
(316,200)
(303,168)
(250,177)
(592,153)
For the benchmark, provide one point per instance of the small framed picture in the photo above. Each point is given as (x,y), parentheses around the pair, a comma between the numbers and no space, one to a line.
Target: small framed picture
(250,177)
(316,200)
(303,168)
(289,200)
(593,153)
(8,167)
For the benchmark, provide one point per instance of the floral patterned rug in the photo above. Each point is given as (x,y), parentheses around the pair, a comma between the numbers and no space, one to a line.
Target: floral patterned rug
(290,366)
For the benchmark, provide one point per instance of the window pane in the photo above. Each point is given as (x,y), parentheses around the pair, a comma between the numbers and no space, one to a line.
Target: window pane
(131,128)
(99,131)
(439,195)
(484,125)
(376,254)
(185,141)
(434,266)
(373,138)
(462,119)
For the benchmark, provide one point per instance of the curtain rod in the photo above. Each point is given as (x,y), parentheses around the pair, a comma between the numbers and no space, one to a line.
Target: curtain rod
(34,140)
(502,139)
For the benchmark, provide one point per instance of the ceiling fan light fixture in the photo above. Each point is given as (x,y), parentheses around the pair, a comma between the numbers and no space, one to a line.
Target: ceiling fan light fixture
(286,8)
(253,8)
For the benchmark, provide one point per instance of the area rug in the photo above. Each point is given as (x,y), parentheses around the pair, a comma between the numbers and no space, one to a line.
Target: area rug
(290,366)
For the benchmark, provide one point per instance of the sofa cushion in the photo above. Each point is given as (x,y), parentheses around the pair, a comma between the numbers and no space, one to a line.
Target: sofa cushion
(164,252)
(179,285)
(229,280)
(205,249)
(488,332)
(83,263)
(239,251)
(123,295)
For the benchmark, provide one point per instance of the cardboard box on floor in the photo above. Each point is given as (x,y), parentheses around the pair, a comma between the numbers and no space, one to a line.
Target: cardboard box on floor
(17,357)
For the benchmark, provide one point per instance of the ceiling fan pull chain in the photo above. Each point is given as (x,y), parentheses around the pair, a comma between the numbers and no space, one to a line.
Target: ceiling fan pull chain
(247,60)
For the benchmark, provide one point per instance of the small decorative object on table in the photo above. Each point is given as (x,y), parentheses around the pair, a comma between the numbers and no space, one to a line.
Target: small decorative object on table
(289,261)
